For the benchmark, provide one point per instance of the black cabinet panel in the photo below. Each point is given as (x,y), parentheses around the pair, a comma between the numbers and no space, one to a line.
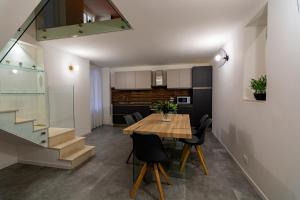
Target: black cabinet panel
(202,76)
(202,104)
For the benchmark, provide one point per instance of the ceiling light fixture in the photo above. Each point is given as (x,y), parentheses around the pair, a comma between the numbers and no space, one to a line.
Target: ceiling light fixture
(14,71)
(221,58)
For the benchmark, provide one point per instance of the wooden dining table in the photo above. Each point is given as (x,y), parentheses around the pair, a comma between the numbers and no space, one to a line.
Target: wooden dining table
(178,126)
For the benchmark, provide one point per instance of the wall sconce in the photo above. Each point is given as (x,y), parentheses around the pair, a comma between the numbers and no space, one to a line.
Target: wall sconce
(73,68)
(221,58)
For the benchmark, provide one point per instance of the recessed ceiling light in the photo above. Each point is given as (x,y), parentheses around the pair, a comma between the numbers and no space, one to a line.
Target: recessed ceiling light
(75,36)
(14,71)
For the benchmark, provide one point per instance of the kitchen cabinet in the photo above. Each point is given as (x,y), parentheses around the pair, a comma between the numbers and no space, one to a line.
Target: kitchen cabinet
(132,80)
(179,78)
(124,80)
(202,92)
(143,80)
(202,76)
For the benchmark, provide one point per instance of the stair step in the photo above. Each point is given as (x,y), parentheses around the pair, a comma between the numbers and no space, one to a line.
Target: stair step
(57,131)
(20,120)
(8,111)
(60,135)
(70,147)
(68,143)
(80,156)
(39,128)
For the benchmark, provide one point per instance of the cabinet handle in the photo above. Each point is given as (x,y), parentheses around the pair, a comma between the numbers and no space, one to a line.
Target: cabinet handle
(43,133)
(43,141)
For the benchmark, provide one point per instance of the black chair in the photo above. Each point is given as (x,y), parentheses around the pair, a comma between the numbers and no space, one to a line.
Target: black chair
(129,121)
(196,141)
(201,123)
(138,116)
(150,150)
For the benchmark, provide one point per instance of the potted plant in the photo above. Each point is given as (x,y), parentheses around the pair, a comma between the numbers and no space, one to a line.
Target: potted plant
(259,87)
(165,107)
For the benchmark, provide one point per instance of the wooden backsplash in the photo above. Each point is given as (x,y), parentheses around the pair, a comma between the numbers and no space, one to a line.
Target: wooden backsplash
(144,96)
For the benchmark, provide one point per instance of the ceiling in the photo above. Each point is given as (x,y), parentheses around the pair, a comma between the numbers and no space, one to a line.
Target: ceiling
(164,32)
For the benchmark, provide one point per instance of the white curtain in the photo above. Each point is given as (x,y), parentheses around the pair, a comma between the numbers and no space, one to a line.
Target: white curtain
(96,96)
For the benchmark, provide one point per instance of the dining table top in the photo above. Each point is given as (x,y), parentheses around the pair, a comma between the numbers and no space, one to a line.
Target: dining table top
(177,127)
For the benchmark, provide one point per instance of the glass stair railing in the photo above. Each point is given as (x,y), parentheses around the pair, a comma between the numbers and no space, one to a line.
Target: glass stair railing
(74,18)
(13,41)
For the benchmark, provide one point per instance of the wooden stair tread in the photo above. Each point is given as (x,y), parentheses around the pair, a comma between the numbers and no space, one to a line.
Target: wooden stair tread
(67,143)
(57,131)
(79,153)
(39,128)
(20,120)
(8,111)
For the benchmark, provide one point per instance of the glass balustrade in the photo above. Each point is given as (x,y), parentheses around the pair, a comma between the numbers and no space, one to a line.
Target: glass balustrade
(73,18)
(22,29)
(61,106)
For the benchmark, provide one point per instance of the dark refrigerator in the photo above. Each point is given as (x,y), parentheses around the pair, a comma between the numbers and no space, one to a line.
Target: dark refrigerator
(202,92)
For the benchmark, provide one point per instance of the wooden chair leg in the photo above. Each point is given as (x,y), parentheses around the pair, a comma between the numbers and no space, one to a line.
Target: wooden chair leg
(137,183)
(158,183)
(185,157)
(163,172)
(201,158)
(185,148)
(127,161)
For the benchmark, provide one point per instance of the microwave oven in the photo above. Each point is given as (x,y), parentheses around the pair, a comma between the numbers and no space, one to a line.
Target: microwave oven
(183,100)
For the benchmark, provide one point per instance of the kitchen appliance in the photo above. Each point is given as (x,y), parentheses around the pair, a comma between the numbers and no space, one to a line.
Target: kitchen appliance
(183,100)
(159,78)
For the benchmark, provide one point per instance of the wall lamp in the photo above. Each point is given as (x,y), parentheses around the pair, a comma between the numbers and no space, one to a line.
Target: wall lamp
(221,58)
(73,68)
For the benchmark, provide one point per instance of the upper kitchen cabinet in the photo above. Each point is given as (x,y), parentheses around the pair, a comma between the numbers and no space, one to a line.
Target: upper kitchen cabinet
(202,76)
(124,80)
(132,80)
(179,78)
(143,80)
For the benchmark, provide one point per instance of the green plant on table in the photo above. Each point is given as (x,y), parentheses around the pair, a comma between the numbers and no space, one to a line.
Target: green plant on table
(165,107)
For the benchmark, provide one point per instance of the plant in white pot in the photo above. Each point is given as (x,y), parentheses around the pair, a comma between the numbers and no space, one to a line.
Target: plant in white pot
(259,87)
(165,108)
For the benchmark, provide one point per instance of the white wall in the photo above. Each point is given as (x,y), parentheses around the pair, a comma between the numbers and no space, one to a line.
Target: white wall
(56,65)
(267,133)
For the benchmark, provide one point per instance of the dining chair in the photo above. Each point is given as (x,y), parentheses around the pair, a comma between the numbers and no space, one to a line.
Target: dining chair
(201,123)
(150,150)
(129,121)
(138,116)
(196,141)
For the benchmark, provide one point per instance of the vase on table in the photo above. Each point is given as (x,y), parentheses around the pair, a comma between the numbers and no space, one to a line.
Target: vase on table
(165,117)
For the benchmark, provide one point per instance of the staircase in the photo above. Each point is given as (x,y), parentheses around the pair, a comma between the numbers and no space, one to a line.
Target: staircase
(53,147)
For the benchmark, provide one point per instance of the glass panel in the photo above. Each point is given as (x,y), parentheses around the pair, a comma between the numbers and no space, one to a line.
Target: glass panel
(61,105)
(4,51)
(29,106)
(73,18)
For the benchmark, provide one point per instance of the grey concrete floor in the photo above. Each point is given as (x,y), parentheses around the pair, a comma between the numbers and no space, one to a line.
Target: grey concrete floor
(106,176)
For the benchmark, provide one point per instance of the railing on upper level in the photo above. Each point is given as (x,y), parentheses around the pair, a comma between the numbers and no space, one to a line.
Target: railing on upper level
(10,44)
(70,18)
(74,18)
